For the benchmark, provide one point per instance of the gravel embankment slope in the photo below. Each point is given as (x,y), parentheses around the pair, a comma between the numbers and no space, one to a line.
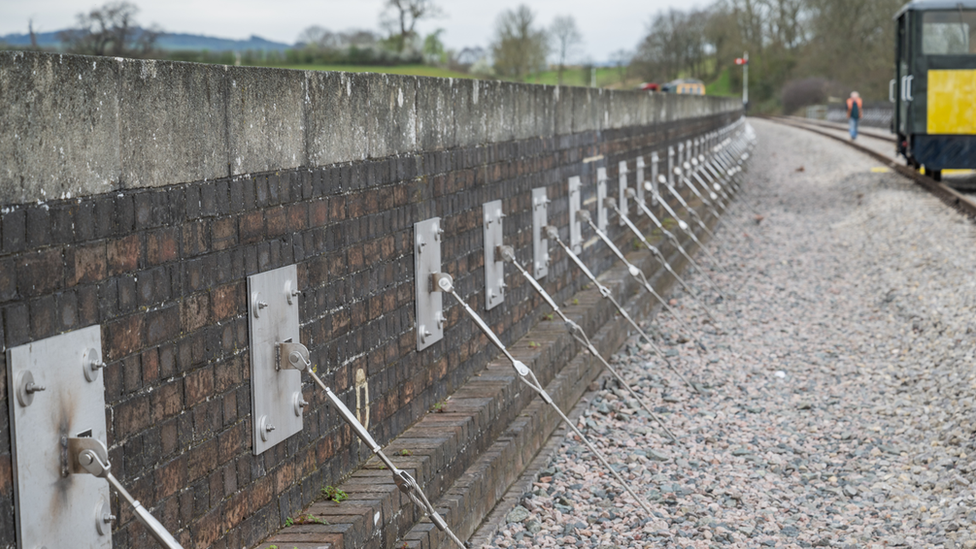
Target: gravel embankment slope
(841,409)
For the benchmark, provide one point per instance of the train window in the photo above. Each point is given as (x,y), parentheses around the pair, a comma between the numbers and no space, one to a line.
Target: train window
(949,32)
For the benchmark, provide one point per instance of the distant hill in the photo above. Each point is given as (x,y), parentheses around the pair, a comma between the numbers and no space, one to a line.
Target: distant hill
(167,41)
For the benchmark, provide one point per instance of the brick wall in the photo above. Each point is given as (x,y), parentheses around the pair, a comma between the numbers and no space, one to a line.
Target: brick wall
(162,268)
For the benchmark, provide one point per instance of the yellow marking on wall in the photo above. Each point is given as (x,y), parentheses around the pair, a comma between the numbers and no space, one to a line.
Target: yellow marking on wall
(952,102)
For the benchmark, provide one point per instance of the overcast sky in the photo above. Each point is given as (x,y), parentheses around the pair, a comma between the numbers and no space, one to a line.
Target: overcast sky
(606,25)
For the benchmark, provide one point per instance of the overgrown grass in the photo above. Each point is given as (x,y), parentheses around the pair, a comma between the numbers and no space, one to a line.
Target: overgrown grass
(722,85)
(606,77)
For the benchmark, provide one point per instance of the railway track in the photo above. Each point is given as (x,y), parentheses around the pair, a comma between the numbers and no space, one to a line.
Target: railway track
(950,196)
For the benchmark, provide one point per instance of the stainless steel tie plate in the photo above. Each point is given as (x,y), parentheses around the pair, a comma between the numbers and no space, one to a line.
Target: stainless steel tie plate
(276,393)
(655,168)
(601,199)
(56,392)
(640,184)
(670,173)
(427,261)
(575,203)
(494,265)
(622,191)
(540,244)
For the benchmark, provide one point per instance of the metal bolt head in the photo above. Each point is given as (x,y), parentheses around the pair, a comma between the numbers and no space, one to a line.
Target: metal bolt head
(25,388)
(92,363)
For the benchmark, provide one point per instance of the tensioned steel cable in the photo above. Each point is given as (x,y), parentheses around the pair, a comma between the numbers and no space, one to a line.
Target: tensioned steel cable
(722,199)
(576,331)
(691,211)
(659,256)
(698,170)
(553,233)
(681,223)
(403,480)
(639,275)
(674,241)
(706,199)
(445,284)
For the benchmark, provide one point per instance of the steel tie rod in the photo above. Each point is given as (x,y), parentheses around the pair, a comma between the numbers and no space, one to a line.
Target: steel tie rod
(681,224)
(723,198)
(91,456)
(691,211)
(705,200)
(553,233)
(659,256)
(674,242)
(639,275)
(444,283)
(508,254)
(716,178)
(724,201)
(403,480)
(709,198)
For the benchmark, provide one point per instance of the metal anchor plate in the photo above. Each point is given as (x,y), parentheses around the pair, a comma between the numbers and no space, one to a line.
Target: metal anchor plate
(54,508)
(494,266)
(670,173)
(640,184)
(655,167)
(427,261)
(575,201)
(540,244)
(622,192)
(601,196)
(272,318)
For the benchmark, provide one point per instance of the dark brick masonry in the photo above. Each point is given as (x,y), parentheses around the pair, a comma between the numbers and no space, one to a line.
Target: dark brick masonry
(164,273)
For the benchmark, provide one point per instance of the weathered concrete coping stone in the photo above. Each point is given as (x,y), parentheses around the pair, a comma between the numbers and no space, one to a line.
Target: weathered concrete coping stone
(78,126)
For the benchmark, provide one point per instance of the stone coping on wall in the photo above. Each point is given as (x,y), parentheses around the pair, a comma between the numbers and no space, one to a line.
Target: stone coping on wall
(79,126)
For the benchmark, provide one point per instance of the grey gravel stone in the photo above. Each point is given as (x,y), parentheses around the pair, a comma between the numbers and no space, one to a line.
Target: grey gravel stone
(656,455)
(518,514)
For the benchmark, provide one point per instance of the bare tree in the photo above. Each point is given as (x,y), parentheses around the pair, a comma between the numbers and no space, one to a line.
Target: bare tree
(33,37)
(111,30)
(621,58)
(317,37)
(519,48)
(313,36)
(401,16)
(566,39)
(675,45)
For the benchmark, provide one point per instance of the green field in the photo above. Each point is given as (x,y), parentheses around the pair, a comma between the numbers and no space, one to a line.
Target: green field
(722,86)
(606,77)
(413,70)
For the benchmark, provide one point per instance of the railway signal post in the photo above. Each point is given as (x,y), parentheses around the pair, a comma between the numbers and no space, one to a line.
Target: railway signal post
(744,61)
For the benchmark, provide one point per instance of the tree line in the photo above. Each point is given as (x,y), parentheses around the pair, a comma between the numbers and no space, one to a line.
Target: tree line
(800,51)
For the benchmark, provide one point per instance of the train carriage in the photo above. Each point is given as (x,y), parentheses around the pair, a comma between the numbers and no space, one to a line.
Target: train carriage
(934,89)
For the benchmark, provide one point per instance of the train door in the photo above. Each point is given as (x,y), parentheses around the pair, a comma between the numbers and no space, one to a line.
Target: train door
(903,80)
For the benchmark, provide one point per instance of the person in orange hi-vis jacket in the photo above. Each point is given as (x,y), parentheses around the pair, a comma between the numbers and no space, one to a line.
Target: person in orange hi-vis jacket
(855,107)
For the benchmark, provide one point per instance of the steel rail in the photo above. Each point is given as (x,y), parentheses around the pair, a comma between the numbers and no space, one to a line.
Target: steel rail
(948,195)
